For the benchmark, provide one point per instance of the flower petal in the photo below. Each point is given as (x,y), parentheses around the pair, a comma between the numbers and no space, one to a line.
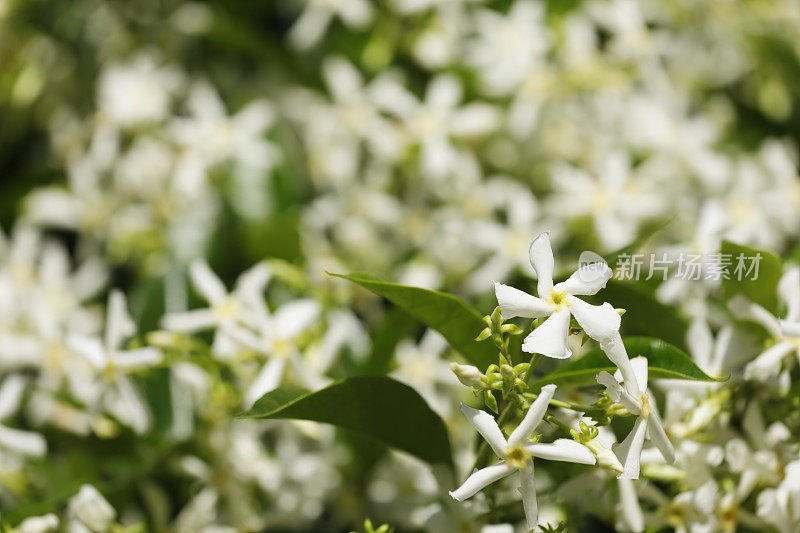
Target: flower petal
(562,450)
(550,337)
(659,436)
(89,348)
(615,351)
(744,309)
(629,502)
(769,362)
(485,424)
(292,318)
(630,450)
(533,417)
(136,359)
(639,365)
(266,381)
(600,322)
(587,280)
(11,393)
(541,256)
(617,393)
(790,329)
(22,442)
(207,283)
(527,489)
(119,324)
(514,302)
(480,479)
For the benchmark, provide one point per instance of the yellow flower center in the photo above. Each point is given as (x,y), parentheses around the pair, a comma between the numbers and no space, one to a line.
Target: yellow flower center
(558,299)
(676,515)
(517,456)
(728,518)
(226,310)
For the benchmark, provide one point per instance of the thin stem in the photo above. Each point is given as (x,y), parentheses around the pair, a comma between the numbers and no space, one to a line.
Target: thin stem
(558,403)
(559,423)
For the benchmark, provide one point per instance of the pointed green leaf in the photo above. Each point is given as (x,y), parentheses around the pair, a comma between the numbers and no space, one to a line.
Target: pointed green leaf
(455,320)
(663,361)
(760,287)
(376,406)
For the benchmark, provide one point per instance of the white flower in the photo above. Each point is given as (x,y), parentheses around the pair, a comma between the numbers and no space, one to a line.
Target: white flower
(225,310)
(137,92)
(517,453)
(111,364)
(215,136)
(779,506)
(635,398)
(274,335)
(90,509)
(558,302)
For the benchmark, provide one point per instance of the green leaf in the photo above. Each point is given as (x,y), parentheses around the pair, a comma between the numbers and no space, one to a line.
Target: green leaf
(455,320)
(663,361)
(645,315)
(377,406)
(763,289)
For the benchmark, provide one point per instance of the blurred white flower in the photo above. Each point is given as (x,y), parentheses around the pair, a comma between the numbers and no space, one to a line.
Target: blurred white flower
(225,310)
(137,92)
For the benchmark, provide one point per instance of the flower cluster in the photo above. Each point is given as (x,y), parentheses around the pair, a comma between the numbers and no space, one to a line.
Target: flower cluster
(178,178)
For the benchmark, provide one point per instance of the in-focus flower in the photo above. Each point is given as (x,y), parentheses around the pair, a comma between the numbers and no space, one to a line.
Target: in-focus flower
(558,303)
(635,398)
(516,454)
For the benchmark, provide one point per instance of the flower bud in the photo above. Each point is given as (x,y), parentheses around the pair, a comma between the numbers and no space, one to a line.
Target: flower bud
(605,457)
(468,375)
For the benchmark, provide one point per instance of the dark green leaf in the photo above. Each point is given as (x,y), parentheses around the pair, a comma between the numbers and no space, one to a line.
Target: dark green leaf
(663,361)
(455,320)
(376,406)
(760,288)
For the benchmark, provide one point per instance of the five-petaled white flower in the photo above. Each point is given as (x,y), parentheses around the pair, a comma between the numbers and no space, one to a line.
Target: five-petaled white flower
(635,398)
(558,302)
(517,453)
